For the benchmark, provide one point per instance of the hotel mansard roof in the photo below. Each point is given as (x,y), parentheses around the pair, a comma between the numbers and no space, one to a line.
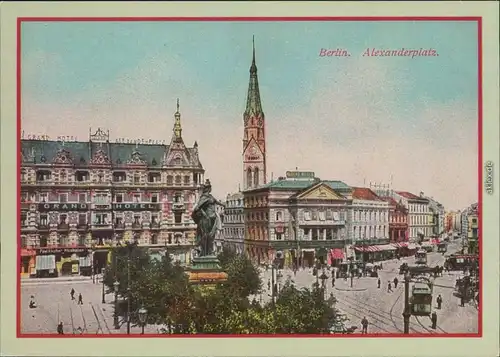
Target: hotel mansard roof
(83,154)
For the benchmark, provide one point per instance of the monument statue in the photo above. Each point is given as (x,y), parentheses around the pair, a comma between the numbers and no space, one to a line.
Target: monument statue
(206,218)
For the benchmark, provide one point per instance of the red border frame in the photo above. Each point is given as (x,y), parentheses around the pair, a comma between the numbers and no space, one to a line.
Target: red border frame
(20,20)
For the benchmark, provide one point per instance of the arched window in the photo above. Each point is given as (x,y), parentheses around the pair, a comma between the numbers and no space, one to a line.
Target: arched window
(249,177)
(256,177)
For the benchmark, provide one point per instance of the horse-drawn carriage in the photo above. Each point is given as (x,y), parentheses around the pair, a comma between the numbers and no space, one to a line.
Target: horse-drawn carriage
(461,262)
(442,247)
(466,287)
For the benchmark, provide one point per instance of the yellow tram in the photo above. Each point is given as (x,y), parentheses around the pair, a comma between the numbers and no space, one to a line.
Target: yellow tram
(421,257)
(421,298)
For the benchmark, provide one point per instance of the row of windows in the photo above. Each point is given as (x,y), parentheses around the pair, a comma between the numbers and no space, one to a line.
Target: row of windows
(418,208)
(234,232)
(370,215)
(230,218)
(259,201)
(64,240)
(427,231)
(234,203)
(322,215)
(117,177)
(419,220)
(97,198)
(101,219)
(370,232)
(398,218)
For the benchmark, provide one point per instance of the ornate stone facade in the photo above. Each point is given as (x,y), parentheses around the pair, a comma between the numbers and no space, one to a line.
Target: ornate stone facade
(84,197)
(304,219)
(234,223)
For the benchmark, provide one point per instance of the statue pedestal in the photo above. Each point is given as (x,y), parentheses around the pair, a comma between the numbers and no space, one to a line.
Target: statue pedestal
(206,271)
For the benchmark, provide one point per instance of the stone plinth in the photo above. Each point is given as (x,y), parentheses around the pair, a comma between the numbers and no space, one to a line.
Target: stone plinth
(206,271)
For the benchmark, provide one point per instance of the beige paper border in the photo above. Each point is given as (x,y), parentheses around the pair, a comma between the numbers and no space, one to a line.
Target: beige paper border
(486,346)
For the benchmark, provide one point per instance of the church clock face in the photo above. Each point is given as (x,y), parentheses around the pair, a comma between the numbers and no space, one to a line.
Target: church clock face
(253,151)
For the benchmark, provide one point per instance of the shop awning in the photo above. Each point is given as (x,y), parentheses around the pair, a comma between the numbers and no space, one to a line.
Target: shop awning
(412,246)
(368,249)
(435,241)
(337,253)
(400,244)
(386,247)
(426,244)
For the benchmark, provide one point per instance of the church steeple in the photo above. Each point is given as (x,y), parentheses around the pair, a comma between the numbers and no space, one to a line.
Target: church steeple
(254,106)
(177,124)
(254,141)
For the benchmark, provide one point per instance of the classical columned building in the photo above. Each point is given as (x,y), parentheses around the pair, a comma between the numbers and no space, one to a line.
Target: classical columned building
(317,219)
(79,199)
(303,218)
(234,223)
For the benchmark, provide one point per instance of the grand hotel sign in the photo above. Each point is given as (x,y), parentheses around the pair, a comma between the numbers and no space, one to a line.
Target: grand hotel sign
(85,207)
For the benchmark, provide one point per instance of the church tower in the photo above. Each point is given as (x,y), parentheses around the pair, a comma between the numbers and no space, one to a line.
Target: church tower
(254,140)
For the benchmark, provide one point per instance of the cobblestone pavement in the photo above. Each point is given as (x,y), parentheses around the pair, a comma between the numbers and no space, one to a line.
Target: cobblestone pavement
(384,309)
(54,305)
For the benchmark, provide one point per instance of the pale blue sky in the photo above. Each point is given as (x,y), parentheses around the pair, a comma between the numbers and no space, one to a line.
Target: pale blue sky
(70,63)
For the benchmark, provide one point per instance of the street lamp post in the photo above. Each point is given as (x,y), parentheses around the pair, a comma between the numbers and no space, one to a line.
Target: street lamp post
(324,278)
(407,312)
(116,284)
(103,293)
(143,315)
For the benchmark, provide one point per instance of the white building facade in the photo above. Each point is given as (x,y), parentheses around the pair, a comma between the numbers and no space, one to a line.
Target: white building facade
(420,217)
(369,216)
(233,236)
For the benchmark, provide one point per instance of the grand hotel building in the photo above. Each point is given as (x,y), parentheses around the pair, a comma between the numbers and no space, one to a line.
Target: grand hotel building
(79,199)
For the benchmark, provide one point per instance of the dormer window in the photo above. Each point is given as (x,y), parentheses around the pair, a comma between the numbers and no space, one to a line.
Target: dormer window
(154,177)
(119,177)
(137,178)
(170,180)
(82,176)
(43,175)
(178,161)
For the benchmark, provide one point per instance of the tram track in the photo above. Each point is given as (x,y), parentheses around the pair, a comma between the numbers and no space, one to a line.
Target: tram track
(72,321)
(361,317)
(104,319)
(84,321)
(388,314)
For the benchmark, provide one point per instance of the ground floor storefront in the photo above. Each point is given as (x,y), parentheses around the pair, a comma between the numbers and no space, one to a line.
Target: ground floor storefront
(307,254)
(54,262)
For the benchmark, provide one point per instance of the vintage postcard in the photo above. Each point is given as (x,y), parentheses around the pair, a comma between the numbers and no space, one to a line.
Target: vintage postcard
(286,176)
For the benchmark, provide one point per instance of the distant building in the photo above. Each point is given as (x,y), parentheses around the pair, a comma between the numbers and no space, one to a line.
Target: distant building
(234,223)
(398,221)
(473,230)
(438,214)
(419,214)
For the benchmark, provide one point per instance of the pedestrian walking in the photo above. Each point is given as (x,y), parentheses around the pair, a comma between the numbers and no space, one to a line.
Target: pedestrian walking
(80,299)
(389,287)
(439,301)
(72,293)
(462,301)
(333,280)
(268,284)
(364,323)
(434,319)
(378,283)
(60,330)
(396,281)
